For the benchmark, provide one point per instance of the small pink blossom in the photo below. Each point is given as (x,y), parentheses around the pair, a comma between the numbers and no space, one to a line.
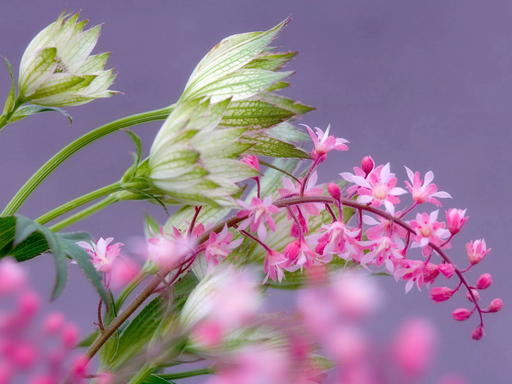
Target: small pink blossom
(219,246)
(299,254)
(428,229)
(168,251)
(496,305)
(13,277)
(384,251)
(424,191)
(447,269)
(252,161)
(476,251)
(103,253)
(379,188)
(416,271)
(274,265)
(324,143)
(259,216)
(124,270)
(337,239)
(478,333)
(455,219)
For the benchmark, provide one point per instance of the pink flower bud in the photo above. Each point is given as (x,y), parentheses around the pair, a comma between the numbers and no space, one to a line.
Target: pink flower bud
(24,355)
(79,367)
(476,251)
(252,161)
(484,281)
(334,191)
(29,304)
(496,305)
(12,276)
(440,294)
(447,269)
(478,333)
(455,219)
(367,164)
(461,314)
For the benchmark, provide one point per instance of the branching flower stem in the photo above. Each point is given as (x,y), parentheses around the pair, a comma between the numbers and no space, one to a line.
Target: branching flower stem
(281,203)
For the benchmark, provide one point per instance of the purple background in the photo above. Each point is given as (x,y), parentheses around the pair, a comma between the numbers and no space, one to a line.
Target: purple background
(422,83)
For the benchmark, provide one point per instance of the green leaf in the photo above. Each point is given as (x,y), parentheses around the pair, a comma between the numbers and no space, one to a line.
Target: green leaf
(140,331)
(286,103)
(269,146)
(87,341)
(24,239)
(289,133)
(32,109)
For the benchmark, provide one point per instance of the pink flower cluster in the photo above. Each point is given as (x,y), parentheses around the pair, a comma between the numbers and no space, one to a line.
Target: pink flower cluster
(35,348)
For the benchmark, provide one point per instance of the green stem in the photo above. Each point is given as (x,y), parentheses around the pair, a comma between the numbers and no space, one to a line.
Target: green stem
(78,202)
(142,375)
(70,149)
(129,289)
(183,375)
(109,200)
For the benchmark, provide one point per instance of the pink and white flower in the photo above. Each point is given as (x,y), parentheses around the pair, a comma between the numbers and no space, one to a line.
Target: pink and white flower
(378,188)
(324,143)
(429,230)
(274,265)
(219,246)
(259,216)
(455,219)
(424,191)
(337,239)
(476,251)
(103,253)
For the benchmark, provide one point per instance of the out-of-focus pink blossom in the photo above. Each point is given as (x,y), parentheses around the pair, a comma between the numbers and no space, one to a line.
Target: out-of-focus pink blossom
(424,191)
(324,143)
(414,347)
(13,277)
(124,270)
(476,251)
(103,253)
(166,251)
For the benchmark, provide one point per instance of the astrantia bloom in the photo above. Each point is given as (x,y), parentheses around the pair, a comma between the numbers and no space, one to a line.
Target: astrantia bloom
(57,68)
(324,143)
(426,191)
(379,188)
(103,253)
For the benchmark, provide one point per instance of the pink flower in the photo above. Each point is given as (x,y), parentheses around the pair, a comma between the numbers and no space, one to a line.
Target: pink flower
(274,265)
(428,229)
(367,165)
(385,250)
(252,161)
(414,347)
(323,143)
(13,278)
(476,251)
(219,246)
(259,214)
(455,219)
(416,271)
(496,305)
(103,253)
(124,270)
(168,251)
(447,269)
(426,191)
(299,254)
(478,333)
(379,188)
(337,239)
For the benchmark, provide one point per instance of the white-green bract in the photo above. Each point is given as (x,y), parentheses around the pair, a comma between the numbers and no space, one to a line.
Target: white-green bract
(57,68)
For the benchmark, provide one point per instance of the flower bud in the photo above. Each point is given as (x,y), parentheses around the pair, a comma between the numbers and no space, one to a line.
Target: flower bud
(440,294)
(455,219)
(475,293)
(461,314)
(335,191)
(476,251)
(57,68)
(447,269)
(367,165)
(496,305)
(478,333)
(252,161)
(484,281)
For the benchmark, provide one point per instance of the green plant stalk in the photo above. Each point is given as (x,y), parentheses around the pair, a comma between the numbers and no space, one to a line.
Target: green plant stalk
(47,168)
(78,202)
(183,375)
(126,292)
(107,201)
(142,375)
